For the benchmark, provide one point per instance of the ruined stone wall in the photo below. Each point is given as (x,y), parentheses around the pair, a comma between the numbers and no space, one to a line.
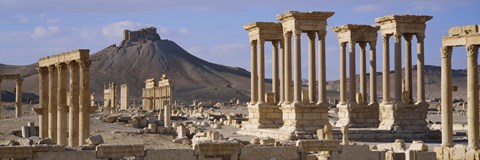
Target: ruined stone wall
(132,37)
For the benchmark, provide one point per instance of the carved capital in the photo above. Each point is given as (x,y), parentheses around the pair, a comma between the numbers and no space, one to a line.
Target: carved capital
(408,38)
(372,44)
(342,44)
(287,35)
(397,37)
(321,35)
(472,50)
(385,38)
(19,81)
(275,43)
(52,68)
(253,43)
(42,70)
(446,52)
(85,64)
(362,45)
(261,43)
(61,67)
(297,34)
(73,65)
(420,37)
(311,36)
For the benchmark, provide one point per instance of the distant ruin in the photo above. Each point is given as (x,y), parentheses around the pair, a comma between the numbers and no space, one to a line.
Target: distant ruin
(133,37)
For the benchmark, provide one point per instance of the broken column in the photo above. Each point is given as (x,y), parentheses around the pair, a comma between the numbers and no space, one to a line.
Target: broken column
(124,97)
(167,111)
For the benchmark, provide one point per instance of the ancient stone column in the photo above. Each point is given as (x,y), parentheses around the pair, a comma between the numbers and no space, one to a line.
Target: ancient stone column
(352,72)
(18,98)
(446,89)
(322,95)
(311,66)
(84,105)
(275,85)
(420,68)
(52,103)
(386,69)
(343,73)
(398,67)
(261,71)
(297,84)
(373,72)
(472,96)
(363,70)
(288,67)
(43,96)
(282,72)
(62,123)
(74,100)
(167,111)
(408,66)
(253,75)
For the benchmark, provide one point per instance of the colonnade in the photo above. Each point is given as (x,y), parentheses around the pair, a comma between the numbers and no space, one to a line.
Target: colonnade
(54,110)
(18,92)
(467,36)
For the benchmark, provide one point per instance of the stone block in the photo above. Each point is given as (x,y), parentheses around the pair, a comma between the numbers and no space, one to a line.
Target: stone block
(62,155)
(349,152)
(222,147)
(116,151)
(169,154)
(253,152)
(16,152)
(48,148)
(318,145)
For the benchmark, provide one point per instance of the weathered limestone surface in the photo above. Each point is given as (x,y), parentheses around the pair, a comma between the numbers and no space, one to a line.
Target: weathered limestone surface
(124,97)
(18,92)
(267,152)
(357,152)
(119,151)
(178,154)
(157,97)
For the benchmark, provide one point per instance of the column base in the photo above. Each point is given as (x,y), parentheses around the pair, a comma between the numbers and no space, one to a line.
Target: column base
(358,115)
(301,118)
(264,116)
(403,117)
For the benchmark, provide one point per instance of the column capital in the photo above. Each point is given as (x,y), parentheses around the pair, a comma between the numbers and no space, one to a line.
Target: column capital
(311,36)
(275,43)
(261,42)
(287,35)
(446,52)
(321,34)
(352,44)
(42,70)
(362,45)
(85,64)
(52,68)
(397,37)
(19,81)
(72,64)
(372,44)
(297,34)
(408,37)
(420,37)
(472,50)
(61,66)
(342,44)
(253,43)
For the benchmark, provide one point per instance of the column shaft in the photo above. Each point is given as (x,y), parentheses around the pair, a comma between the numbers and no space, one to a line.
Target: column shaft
(84,105)
(420,68)
(43,96)
(386,69)
(446,96)
(472,96)
(297,84)
(363,70)
(311,67)
(62,104)
(373,72)
(408,67)
(343,73)
(275,84)
(253,75)
(74,100)
(288,67)
(352,72)
(18,98)
(398,68)
(322,94)
(52,103)
(282,72)
(261,71)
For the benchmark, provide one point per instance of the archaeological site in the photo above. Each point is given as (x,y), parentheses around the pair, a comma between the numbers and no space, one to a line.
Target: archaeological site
(315,86)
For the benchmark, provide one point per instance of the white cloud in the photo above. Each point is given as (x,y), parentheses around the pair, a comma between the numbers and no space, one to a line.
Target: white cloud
(41,32)
(115,30)
(184,31)
(368,8)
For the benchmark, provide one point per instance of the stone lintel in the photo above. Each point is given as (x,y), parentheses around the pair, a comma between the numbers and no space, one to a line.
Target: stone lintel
(10,76)
(314,15)
(115,151)
(461,40)
(356,33)
(463,30)
(305,21)
(16,152)
(217,147)
(403,24)
(268,31)
(308,145)
(65,57)
(403,19)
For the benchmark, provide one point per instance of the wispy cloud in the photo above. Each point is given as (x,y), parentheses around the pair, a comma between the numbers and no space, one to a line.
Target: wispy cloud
(114,30)
(42,32)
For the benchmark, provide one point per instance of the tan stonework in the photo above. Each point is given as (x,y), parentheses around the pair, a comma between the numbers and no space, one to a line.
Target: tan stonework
(53,90)
(109,98)
(155,97)
(358,113)
(124,97)
(396,114)
(18,92)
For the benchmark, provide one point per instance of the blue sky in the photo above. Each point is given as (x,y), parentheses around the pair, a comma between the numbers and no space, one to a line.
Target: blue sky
(209,29)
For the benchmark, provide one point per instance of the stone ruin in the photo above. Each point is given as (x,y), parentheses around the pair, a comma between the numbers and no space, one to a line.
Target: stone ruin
(18,92)
(142,35)
(109,98)
(155,97)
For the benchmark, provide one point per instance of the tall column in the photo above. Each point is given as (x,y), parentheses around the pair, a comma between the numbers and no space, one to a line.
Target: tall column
(52,103)
(472,96)
(84,105)
(297,84)
(386,69)
(311,66)
(343,73)
(420,68)
(408,66)
(352,72)
(62,104)
(43,96)
(74,100)
(288,67)
(363,70)
(373,72)
(398,67)
(253,73)
(282,72)
(322,94)
(446,91)
(18,98)
(261,71)
(275,85)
